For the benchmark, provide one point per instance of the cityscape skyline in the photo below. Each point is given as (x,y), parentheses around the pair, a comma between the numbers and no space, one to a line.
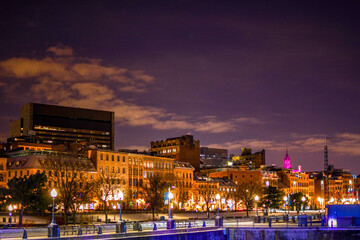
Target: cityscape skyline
(231,74)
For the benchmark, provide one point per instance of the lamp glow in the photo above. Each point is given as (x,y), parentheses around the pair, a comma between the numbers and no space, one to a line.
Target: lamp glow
(53,193)
(217,196)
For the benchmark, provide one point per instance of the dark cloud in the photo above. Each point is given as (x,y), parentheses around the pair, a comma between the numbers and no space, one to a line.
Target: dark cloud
(263,74)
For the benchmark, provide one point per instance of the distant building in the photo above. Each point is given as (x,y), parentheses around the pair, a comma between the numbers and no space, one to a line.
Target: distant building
(183,149)
(287,161)
(252,160)
(262,178)
(52,124)
(213,156)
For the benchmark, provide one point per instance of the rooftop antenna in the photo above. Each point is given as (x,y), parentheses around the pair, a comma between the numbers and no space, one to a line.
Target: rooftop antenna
(326,160)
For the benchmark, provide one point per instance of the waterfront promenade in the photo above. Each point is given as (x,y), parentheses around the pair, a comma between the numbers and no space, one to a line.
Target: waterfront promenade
(231,224)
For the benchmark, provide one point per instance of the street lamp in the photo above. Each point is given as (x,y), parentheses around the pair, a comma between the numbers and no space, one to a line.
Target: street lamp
(217,199)
(285,200)
(197,211)
(54,230)
(170,198)
(120,195)
(53,195)
(10,214)
(256,204)
(303,200)
(81,208)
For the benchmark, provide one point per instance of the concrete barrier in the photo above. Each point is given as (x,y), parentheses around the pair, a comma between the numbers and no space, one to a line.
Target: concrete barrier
(292,233)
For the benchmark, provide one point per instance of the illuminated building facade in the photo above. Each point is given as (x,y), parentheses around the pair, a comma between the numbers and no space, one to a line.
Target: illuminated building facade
(262,178)
(252,160)
(3,172)
(182,149)
(213,156)
(131,170)
(287,161)
(43,123)
(184,180)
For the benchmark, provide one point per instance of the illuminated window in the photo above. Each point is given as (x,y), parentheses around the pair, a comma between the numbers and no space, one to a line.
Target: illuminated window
(107,169)
(101,168)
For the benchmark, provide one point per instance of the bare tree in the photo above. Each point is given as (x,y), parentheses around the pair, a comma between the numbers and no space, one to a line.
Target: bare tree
(153,192)
(68,173)
(205,190)
(106,185)
(246,193)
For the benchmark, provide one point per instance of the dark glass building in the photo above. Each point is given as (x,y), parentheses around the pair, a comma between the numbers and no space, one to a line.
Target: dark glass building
(44,123)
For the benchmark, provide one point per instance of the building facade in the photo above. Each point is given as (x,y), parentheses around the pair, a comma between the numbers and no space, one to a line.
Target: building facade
(213,156)
(252,160)
(52,124)
(182,149)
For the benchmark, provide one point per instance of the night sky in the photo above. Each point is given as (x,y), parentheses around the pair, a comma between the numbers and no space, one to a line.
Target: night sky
(266,74)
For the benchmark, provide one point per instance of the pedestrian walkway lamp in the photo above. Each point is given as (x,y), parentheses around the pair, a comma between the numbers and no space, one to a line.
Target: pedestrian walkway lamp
(256,204)
(197,211)
(53,195)
(54,230)
(170,201)
(303,200)
(10,214)
(218,200)
(285,200)
(81,208)
(121,195)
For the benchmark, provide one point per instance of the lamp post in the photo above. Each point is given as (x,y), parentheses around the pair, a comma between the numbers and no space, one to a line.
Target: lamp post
(256,204)
(303,200)
(285,200)
(53,195)
(170,223)
(197,211)
(10,213)
(81,208)
(54,230)
(121,195)
(218,220)
(170,198)
(218,200)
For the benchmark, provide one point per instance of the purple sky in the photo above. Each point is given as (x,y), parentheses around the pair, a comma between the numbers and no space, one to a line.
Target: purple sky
(263,75)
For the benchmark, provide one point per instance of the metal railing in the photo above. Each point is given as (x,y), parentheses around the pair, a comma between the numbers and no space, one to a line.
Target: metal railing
(136,226)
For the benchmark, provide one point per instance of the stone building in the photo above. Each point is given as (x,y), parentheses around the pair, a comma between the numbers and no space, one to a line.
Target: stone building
(182,149)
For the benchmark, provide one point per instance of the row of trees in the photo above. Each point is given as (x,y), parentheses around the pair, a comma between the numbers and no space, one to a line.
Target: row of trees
(269,197)
(66,172)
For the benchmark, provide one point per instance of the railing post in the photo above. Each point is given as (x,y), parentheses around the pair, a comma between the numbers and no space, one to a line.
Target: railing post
(99,230)
(204,223)
(79,231)
(189,226)
(155,228)
(24,234)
